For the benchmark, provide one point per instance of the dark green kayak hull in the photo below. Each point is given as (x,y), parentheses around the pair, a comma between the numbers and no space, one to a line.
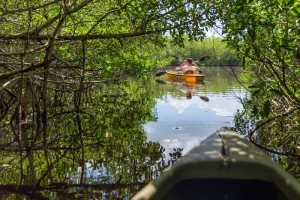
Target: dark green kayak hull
(224,166)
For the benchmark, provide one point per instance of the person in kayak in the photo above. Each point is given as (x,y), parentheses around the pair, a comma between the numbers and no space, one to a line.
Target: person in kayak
(184,63)
(190,68)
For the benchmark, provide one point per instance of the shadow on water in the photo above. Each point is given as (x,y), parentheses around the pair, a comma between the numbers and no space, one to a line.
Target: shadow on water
(83,142)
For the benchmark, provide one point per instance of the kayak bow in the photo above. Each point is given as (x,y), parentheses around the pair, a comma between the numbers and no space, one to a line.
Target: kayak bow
(224,166)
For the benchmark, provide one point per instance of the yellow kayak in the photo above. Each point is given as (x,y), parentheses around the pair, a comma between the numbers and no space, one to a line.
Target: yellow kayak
(173,75)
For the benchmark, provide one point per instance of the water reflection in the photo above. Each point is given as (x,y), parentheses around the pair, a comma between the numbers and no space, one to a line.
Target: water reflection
(91,143)
(184,122)
(99,141)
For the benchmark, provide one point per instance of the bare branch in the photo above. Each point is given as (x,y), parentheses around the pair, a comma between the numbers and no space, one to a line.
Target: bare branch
(25,52)
(252,131)
(27,69)
(13,63)
(36,31)
(8,82)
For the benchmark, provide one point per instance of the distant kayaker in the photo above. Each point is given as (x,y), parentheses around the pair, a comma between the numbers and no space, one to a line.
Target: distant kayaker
(191,67)
(184,63)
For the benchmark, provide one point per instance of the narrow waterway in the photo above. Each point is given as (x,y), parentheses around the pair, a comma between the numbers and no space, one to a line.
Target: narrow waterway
(189,112)
(118,138)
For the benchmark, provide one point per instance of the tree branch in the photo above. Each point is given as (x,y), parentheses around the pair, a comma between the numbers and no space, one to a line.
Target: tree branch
(5,11)
(27,69)
(36,31)
(25,52)
(252,131)
(94,36)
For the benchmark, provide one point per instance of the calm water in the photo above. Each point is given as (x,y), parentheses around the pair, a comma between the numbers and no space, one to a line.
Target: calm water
(183,122)
(111,143)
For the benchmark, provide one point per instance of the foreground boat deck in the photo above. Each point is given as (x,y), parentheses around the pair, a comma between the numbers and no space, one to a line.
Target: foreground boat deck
(224,166)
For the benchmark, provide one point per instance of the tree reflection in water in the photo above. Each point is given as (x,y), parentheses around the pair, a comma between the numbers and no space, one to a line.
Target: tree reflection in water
(85,142)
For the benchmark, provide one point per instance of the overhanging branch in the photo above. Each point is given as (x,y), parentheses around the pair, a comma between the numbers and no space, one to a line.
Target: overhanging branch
(27,69)
(6,11)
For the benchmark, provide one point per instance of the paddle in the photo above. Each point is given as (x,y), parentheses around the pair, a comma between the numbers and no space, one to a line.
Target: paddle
(160,81)
(204,58)
(160,73)
(201,59)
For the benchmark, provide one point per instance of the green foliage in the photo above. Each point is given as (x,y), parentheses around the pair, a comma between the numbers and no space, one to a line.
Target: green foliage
(220,54)
(266,35)
(123,36)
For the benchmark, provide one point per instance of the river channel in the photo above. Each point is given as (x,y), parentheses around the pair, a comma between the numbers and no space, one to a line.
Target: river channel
(186,119)
(115,140)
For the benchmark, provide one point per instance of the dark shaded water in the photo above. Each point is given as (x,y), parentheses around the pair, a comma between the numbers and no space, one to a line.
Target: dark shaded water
(114,140)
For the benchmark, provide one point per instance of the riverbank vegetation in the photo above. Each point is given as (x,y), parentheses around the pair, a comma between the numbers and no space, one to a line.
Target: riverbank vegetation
(219,52)
(45,46)
(266,35)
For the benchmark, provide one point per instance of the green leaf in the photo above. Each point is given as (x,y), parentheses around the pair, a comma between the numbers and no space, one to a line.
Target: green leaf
(256,92)
(244,62)
(275,91)
(252,86)
(255,110)
(267,108)
(247,51)
(256,50)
